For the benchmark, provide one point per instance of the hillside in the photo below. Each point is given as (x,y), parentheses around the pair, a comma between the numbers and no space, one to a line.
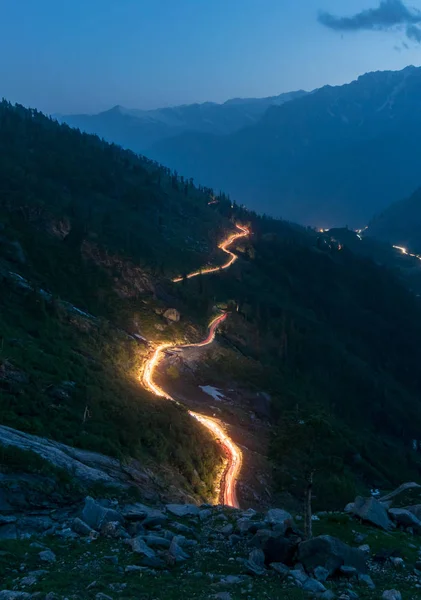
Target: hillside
(400,223)
(331,158)
(317,359)
(138,129)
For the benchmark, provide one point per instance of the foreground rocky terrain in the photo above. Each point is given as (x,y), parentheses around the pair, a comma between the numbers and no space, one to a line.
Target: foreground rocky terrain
(106,548)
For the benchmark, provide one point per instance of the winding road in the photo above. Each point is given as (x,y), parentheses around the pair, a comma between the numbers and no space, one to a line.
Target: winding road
(224,246)
(217,430)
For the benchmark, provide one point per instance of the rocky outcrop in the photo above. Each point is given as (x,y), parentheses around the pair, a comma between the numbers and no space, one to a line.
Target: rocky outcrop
(372,511)
(86,466)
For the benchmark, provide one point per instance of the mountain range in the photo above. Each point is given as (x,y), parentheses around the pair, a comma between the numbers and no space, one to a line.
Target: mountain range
(138,129)
(332,157)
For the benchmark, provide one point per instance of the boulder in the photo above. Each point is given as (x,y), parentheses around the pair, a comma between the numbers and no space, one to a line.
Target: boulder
(156,541)
(47,556)
(299,575)
(366,579)
(277,516)
(348,572)
(81,528)
(227,529)
(244,526)
(279,550)
(321,574)
(313,586)
(330,553)
(255,564)
(172,314)
(406,518)
(9,595)
(391,595)
(183,510)
(281,569)
(138,511)
(140,547)
(96,515)
(401,490)
(114,530)
(176,551)
(154,520)
(415,510)
(372,511)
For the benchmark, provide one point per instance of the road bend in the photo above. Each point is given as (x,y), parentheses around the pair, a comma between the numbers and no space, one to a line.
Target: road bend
(233,452)
(224,246)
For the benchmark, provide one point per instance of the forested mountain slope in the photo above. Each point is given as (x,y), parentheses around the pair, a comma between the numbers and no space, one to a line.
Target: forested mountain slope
(332,338)
(400,223)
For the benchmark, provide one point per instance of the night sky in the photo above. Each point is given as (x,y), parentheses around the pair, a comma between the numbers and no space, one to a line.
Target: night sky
(65,56)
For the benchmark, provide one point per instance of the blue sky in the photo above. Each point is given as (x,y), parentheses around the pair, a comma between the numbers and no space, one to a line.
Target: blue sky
(65,56)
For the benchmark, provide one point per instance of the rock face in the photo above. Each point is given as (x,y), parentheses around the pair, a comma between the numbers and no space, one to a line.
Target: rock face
(330,553)
(172,315)
(372,511)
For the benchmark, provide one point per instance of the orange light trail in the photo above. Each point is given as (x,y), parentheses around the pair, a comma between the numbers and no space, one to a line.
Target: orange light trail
(147,378)
(224,246)
(235,455)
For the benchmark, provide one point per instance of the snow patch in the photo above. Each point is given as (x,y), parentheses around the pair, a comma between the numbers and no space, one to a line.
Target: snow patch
(212,391)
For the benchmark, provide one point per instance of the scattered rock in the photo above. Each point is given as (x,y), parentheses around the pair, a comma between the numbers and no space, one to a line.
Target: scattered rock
(391,595)
(313,586)
(227,529)
(279,549)
(330,553)
(405,518)
(281,569)
(205,514)
(9,595)
(114,530)
(255,564)
(183,510)
(299,576)
(321,574)
(372,511)
(176,552)
(156,541)
(47,556)
(348,572)
(277,516)
(96,515)
(397,562)
(140,547)
(133,569)
(81,528)
(366,579)
(327,595)
(172,314)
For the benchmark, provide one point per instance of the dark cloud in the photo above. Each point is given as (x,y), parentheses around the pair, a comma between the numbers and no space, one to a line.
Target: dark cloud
(390,14)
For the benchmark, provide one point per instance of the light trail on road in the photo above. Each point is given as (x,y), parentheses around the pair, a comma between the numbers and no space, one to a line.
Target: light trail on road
(243,232)
(216,429)
(234,453)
